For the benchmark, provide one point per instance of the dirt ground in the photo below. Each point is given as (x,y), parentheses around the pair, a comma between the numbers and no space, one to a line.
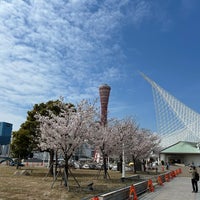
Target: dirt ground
(33,183)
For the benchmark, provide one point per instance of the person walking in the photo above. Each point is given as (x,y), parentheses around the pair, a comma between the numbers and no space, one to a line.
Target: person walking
(167,166)
(193,180)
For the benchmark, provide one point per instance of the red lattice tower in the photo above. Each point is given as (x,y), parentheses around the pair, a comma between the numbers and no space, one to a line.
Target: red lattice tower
(104,92)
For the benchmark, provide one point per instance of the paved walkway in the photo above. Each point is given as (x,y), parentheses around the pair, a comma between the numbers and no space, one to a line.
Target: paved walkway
(179,188)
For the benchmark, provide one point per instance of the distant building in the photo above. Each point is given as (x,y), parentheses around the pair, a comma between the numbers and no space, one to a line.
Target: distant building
(5,133)
(84,151)
(182,152)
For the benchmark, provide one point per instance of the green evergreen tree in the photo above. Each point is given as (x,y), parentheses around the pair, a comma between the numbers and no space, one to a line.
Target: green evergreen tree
(26,139)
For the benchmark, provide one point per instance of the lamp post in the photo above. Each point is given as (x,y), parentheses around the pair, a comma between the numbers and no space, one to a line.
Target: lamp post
(123,164)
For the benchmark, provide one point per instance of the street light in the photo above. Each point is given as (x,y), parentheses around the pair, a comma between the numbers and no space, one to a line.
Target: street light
(123,164)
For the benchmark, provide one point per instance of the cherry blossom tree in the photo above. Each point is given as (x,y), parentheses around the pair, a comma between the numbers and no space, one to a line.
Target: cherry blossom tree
(103,140)
(142,144)
(68,130)
(108,139)
(125,130)
(137,143)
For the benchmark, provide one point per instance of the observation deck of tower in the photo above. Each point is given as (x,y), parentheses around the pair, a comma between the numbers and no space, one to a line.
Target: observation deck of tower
(175,121)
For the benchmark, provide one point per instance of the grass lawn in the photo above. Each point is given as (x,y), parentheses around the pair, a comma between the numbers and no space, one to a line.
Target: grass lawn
(37,185)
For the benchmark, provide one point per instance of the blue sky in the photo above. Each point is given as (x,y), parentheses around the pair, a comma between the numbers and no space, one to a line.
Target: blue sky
(69,48)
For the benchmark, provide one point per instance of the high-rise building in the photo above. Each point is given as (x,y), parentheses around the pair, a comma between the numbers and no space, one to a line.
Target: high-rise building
(5,133)
(104,92)
(5,137)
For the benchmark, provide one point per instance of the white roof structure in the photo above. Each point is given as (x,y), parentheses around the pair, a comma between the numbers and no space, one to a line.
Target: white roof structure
(175,121)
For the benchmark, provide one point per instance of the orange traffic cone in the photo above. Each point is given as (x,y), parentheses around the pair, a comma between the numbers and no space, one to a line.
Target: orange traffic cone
(171,175)
(174,173)
(167,178)
(160,181)
(150,185)
(95,198)
(132,193)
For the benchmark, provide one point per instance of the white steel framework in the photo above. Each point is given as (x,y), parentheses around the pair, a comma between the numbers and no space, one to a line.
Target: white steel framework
(175,121)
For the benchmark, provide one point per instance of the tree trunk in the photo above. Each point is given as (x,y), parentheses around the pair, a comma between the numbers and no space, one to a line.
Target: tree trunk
(66,171)
(135,164)
(144,165)
(56,162)
(18,161)
(105,166)
(51,161)
(120,163)
(104,162)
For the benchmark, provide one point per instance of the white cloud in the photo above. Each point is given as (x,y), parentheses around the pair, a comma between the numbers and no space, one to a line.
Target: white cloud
(57,48)
(142,11)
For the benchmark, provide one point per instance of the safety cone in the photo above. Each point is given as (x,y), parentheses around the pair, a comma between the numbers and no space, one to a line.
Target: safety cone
(171,175)
(150,185)
(160,181)
(132,193)
(95,198)
(167,178)
(174,173)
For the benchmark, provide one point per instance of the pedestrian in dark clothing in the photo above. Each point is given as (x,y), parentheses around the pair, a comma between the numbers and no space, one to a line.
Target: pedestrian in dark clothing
(193,180)
(167,166)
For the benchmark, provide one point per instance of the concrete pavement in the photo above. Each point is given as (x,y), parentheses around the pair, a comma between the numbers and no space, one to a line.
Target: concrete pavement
(179,188)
